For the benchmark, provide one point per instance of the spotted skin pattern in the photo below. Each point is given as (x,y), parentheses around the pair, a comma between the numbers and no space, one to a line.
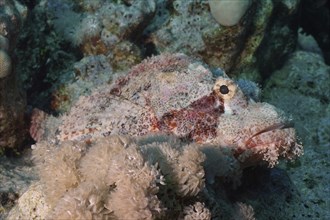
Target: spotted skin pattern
(174,94)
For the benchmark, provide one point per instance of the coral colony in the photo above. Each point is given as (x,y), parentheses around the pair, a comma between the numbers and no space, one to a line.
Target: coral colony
(146,146)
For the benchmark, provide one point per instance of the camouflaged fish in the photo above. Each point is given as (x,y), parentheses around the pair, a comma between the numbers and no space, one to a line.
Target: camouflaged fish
(174,94)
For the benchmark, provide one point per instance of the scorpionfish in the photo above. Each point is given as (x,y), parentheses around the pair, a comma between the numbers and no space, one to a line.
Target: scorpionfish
(177,95)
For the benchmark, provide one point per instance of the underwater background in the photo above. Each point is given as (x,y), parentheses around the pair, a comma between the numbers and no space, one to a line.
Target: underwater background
(53,52)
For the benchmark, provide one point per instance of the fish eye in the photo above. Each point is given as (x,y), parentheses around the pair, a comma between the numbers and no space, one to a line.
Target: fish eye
(224,89)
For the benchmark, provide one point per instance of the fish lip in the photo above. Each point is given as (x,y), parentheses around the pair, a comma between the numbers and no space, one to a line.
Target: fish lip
(276,126)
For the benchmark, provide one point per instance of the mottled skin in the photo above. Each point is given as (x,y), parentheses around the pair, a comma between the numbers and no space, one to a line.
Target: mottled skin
(174,94)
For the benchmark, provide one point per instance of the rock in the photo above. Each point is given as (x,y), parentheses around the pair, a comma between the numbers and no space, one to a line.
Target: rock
(5,64)
(308,43)
(302,89)
(303,81)
(101,30)
(31,205)
(12,101)
(16,175)
(315,20)
(89,72)
(258,43)
(59,34)
(125,32)
(228,13)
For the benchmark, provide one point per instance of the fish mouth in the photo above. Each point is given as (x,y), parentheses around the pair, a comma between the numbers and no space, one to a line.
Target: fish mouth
(276,126)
